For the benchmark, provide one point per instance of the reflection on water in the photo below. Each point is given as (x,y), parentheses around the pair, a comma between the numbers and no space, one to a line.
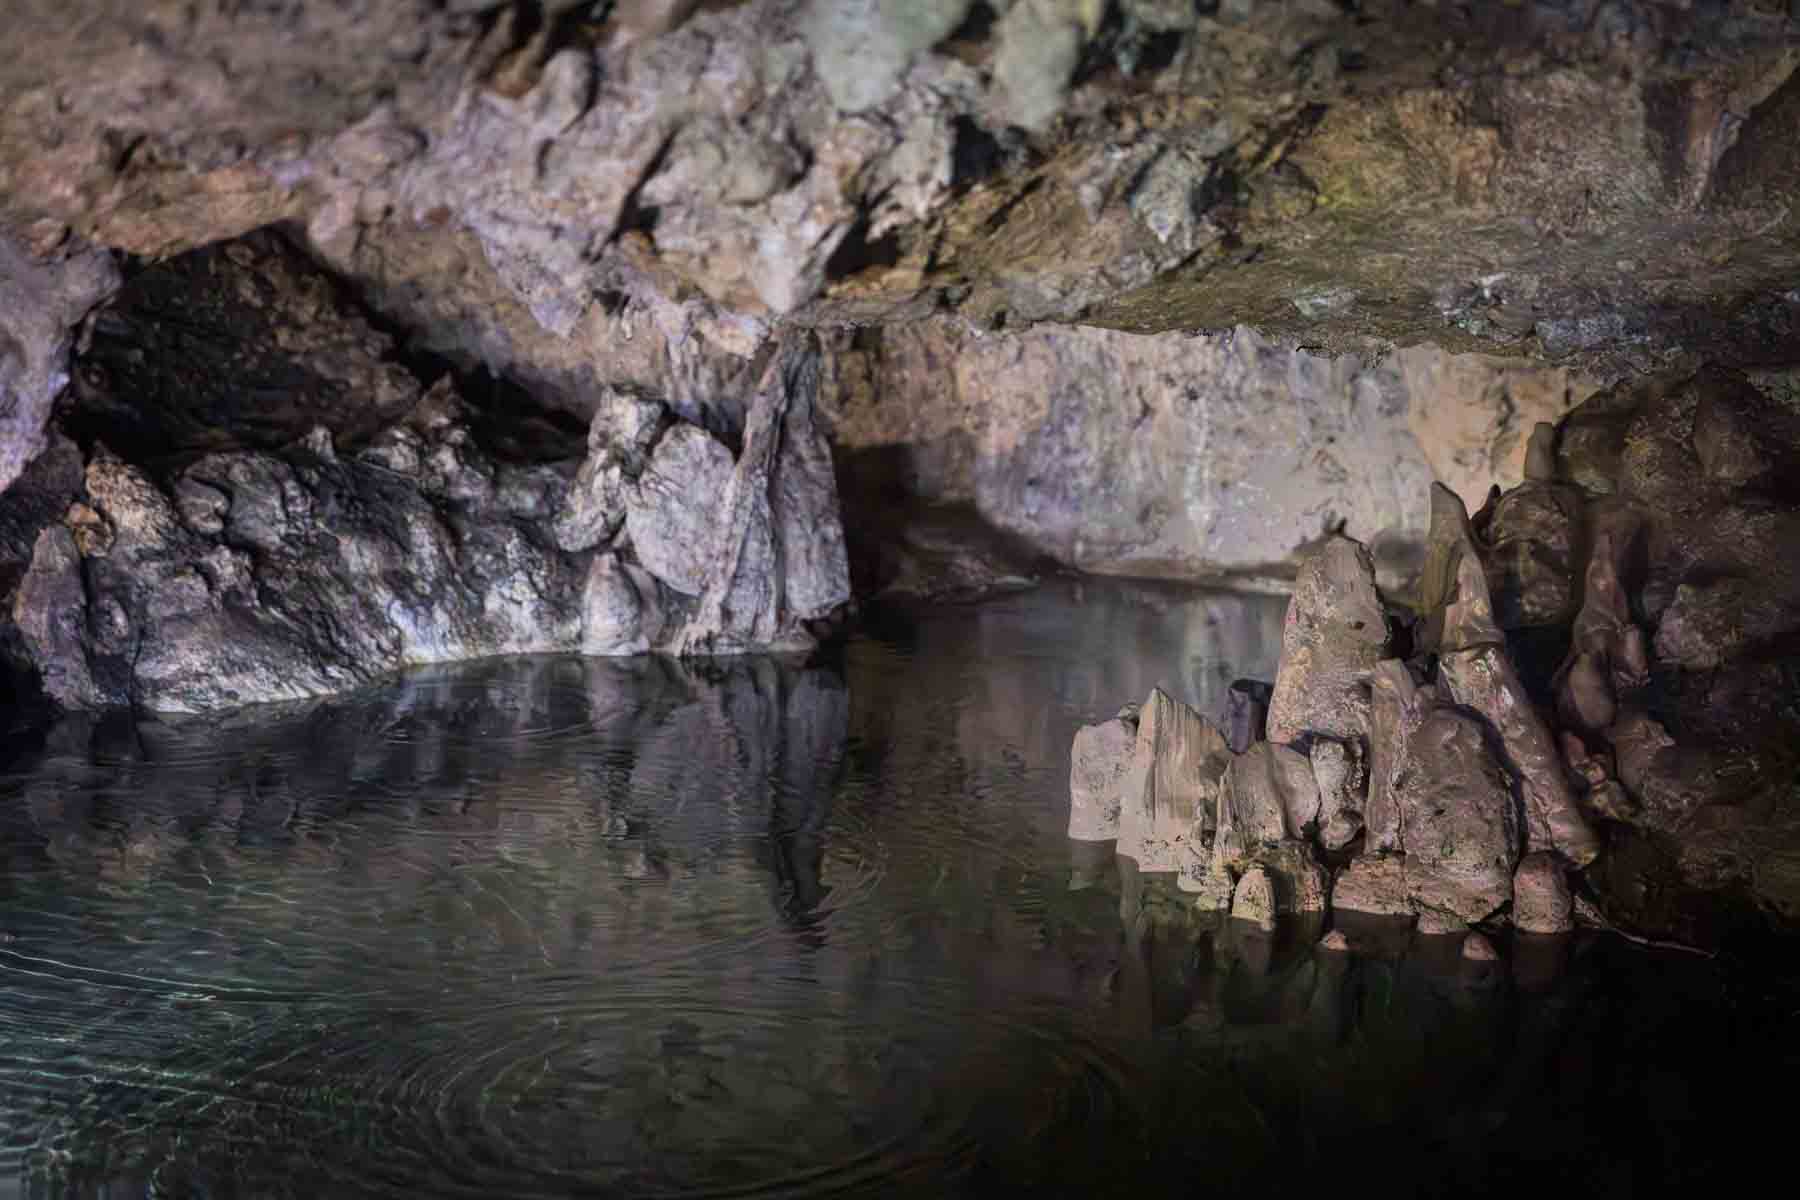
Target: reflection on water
(548,926)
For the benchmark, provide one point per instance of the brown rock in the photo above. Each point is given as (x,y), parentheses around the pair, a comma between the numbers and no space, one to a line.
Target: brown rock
(1269,793)
(1099,764)
(1397,709)
(1477,948)
(1373,884)
(1335,942)
(1484,680)
(1177,768)
(1453,590)
(1341,778)
(1541,900)
(1335,633)
(1253,899)
(1456,812)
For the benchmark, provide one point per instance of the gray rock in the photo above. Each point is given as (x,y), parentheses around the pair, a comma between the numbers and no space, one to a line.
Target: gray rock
(1541,899)
(775,559)
(1606,650)
(1477,948)
(1531,561)
(1453,588)
(41,299)
(1178,768)
(1253,899)
(672,515)
(1335,633)
(624,430)
(1341,778)
(621,609)
(1246,713)
(1264,789)
(1099,763)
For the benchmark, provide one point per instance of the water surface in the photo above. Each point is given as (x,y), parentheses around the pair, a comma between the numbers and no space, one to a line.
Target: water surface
(551,927)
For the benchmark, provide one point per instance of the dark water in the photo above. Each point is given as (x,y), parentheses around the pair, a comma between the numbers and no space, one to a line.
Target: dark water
(553,927)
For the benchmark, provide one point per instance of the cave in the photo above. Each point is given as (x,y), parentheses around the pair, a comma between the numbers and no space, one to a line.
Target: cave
(897,597)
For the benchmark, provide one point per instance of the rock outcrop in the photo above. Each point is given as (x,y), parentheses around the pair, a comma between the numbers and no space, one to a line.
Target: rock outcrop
(1336,632)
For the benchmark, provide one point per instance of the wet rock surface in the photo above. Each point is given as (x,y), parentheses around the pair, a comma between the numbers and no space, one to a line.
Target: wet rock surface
(1653,766)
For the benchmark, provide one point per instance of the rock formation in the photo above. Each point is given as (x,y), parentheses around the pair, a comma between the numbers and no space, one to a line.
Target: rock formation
(1655,762)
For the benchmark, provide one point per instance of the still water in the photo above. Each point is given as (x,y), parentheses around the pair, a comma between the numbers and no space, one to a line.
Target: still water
(552,927)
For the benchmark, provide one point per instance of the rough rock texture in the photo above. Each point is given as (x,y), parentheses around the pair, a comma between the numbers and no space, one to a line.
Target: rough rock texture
(1190,456)
(1177,769)
(1268,795)
(1099,763)
(1541,900)
(1341,778)
(1458,831)
(1254,898)
(1392,171)
(1335,633)
(41,299)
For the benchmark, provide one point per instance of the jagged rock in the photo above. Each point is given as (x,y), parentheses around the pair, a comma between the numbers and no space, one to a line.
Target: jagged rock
(1341,778)
(1268,795)
(1373,884)
(621,437)
(1708,625)
(673,512)
(1099,763)
(1302,885)
(774,549)
(1606,650)
(1177,769)
(1397,708)
(1254,898)
(1334,635)
(1459,835)
(1246,713)
(1532,538)
(41,299)
(1453,588)
(50,609)
(621,609)
(1484,680)
(1541,899)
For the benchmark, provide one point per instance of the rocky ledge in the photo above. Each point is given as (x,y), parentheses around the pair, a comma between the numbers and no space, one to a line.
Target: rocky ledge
(319,517)
(1591,696)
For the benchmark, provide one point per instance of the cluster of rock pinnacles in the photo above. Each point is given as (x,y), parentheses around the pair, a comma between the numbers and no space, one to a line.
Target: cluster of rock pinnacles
(1410,755)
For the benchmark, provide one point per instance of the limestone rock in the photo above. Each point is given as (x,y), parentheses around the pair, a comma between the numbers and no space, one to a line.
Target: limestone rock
(621,609)
(672,514)
(41,299)
(1541,899)
(1606,650)
(1211,889)
(624,430)
(1484,680)
(1254,898)
(1341,778)
(1532,540)
(1099,763)
(1453,588)
(1334,635)
(1178,767)
(1264,790)
(1398,708)
(1246,713)
(1302,885)
(1460,838)
(774,559)
(1373,884)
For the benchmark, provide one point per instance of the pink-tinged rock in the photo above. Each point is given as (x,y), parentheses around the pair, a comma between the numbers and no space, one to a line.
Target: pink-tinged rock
(1172,787)
(1335,633)
(1253,899)
(1374,884)
(1477,948)
(1335,941)
(1541,900)
(1099,764)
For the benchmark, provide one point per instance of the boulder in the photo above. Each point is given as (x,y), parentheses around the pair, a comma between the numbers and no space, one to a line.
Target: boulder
(621,436)
(1532,541)
(1178,765)
(1477,948)
(621,607)
(1099,764)
(1453,589)
(1541,899)
(672,513)
(1607,652)
(1335,633)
